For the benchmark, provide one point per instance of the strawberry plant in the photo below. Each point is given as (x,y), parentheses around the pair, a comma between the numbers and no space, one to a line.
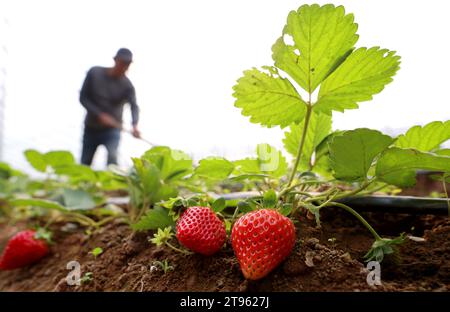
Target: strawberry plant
(318,70)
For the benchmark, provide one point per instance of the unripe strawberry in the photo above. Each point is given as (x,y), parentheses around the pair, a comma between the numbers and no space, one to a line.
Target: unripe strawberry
(200,230)
(261,240)
(23,249)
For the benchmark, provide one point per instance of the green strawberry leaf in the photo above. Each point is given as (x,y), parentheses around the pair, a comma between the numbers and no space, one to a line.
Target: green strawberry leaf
(270,199)
(270,162)
(57,159)
(268,99)
(77,200)
(443,152)
(218,205)
(156,218)
(353,152)
(323,36)
(382,247)
(398,166)
(245,207)
(286,209)
(36,160)
(426,138)
(172,164)
(43,203)
(214,168)
(363,74)
(319,127)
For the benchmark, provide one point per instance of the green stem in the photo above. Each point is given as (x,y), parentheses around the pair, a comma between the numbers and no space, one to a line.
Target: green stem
(178,249)
(342,195)
(235,213)
(358,216)
(302,143)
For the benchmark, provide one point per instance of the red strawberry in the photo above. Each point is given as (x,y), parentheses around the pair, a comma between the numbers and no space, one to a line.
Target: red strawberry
(261,240)
(200,230)
(23,249)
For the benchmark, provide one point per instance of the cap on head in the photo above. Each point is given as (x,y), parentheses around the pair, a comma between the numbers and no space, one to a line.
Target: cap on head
(125,55)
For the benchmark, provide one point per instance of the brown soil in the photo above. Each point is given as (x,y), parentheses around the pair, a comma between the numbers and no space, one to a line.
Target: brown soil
(327,259)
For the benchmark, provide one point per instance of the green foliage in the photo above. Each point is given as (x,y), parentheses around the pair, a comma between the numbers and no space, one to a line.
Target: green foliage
(363,74)
(156,218)
(97,251)
(382,247)
(268,98)
(323,36)
(270,199)
(426,138)
(353,152)
(269,161)
(164,265)
(77,200)
(398,166)
(216,168)
(87,278)
(321,55)
(319,127)
(172,164)
(53,159)
(219,204)
(161,237)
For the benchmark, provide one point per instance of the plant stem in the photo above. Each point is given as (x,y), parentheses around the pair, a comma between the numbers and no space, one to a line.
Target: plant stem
(178,249)
(358,216)
(302,142)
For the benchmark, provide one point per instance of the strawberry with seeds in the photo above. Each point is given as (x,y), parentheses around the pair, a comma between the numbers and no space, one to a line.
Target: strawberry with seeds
(200,230)
(261,240)
(24,248)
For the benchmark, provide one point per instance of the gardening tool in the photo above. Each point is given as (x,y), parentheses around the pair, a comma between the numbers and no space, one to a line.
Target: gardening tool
(140,138)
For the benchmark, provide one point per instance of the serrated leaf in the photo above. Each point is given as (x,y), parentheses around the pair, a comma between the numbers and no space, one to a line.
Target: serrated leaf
(318,128)
(149,175)
(323,36)
(36,160)
(218,205)
(270,199)
(398,166)
(59,158)
(363,74)
(214,168)
(156,218)
(172,164)
(425,138)
(77,200)
(43,203)
(353,152)
(268,99)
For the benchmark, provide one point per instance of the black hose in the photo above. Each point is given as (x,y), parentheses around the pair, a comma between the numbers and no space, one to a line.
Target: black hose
(398,204)
(375,203)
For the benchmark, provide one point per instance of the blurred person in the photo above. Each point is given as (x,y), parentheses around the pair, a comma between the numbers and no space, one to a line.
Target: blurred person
(104,92)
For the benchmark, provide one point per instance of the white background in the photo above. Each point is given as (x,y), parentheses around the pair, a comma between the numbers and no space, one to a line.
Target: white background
(188,55)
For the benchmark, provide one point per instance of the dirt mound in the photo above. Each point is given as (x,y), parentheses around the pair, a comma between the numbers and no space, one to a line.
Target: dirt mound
(327,259)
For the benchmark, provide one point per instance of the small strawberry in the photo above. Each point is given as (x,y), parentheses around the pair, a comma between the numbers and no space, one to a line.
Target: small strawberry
(261,240)
(24,248)
(200,230)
